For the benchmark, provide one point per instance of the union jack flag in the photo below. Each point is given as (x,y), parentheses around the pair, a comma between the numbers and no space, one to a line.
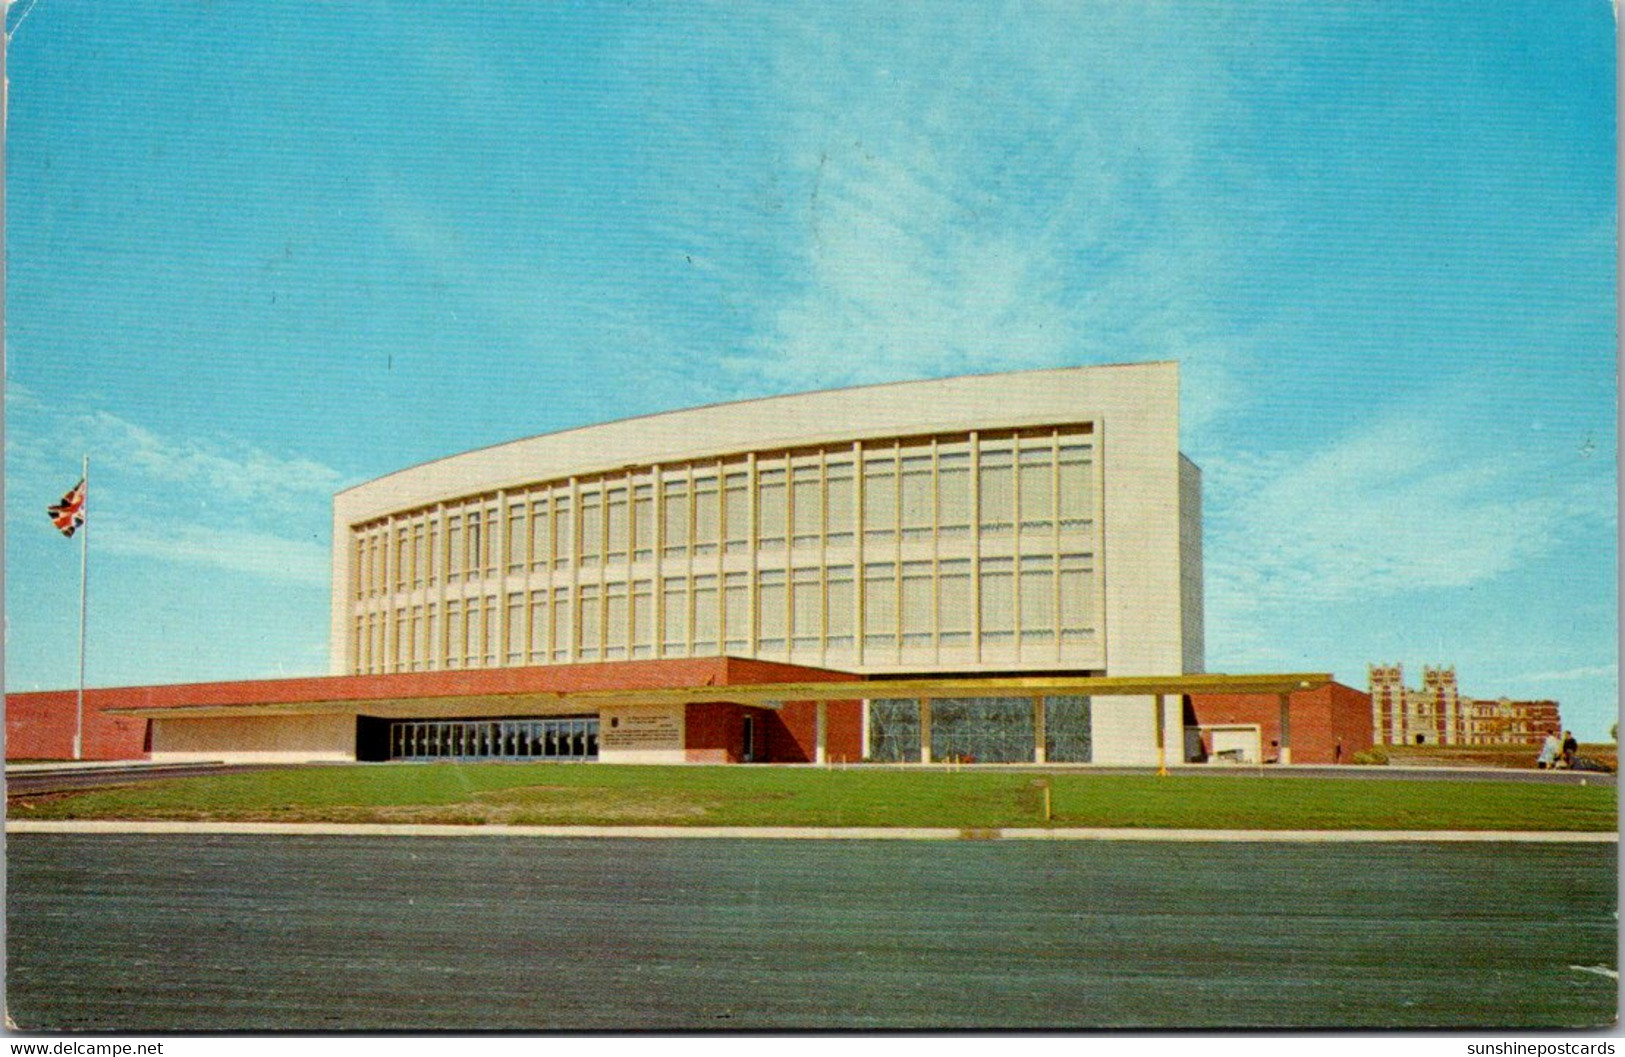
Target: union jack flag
(68,514)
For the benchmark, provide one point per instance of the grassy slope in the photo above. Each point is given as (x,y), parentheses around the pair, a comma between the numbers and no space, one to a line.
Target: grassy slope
(1515,757)
(758,796)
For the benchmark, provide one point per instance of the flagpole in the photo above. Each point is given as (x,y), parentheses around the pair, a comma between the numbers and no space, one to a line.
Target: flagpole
(84,580)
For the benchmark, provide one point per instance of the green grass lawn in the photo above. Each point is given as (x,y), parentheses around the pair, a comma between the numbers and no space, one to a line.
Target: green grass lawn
(553,794)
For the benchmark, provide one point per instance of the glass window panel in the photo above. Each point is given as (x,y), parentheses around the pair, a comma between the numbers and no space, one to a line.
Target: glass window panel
(998,599)
(953,495)
(808,505)
(918,505)
(841,597)
(430,633)
(736,500)
(563,532)
(771,508)
(516,628)
(706,616)
(806,608)
(675,518)
(840,499)
(454,548)
(643,618)
(643,521)
(983,730)
(539,651)
(616,517)
(1068,730)
(1037,599)
(1077,499)
(541,536)
(736,611)
(879,604)
(454,635)
(879,500)
(1037,492)
(707,515)
(513,542)
(470,644)
(770,601)
(561,623)
(473,537)
(894,731)
(615,617)
(1077,597)
(676,606)
(916,603)
(954,601)
(592,529)
(996,484)
(587,613)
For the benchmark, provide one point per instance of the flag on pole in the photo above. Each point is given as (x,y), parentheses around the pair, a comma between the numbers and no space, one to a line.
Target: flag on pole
(68,514)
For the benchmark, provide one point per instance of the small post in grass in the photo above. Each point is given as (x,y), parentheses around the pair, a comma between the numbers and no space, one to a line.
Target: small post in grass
(1044,784)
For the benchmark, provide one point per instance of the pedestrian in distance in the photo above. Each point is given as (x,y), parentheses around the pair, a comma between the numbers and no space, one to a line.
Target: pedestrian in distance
(1571,748)
(1548,753)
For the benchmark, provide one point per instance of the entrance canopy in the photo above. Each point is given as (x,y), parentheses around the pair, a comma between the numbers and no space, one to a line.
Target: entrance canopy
(442,697)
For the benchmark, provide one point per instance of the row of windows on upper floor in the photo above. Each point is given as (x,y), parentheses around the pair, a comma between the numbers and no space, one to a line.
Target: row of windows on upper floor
(1046,602)
(1033,485)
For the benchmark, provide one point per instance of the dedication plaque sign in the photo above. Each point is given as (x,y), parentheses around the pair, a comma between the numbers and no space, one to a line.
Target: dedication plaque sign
(642,730)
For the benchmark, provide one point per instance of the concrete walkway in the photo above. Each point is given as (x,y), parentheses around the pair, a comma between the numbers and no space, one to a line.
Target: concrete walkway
(1193,836)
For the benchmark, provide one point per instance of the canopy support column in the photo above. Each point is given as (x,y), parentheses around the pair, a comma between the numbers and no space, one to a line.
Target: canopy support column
(1040,736)
(1286,727)
(821,733)
(1162,738)
(925,730)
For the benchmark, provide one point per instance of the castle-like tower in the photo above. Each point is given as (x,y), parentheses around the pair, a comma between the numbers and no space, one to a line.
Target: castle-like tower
(1437,714)
(1387,683)
(1439,690)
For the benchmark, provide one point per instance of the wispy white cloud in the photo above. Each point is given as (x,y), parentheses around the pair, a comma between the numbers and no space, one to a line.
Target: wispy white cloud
(213,501)
(1593,671)
(937,220)
(1401,505)
(261,554)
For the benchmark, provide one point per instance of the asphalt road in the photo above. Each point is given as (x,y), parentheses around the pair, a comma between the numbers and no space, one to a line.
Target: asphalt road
(145,933)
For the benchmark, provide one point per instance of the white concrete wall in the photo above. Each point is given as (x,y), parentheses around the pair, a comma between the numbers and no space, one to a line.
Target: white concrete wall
(254,739)
(1193,629)
(1124,730)
(1133,409)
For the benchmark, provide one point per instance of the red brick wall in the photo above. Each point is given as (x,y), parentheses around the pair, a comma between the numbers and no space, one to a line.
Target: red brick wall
(40,727)
(714,732)
(1321,719)
(793,732)
(1350,718)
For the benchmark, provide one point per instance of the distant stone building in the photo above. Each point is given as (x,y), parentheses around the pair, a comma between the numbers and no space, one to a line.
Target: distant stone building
(1438,714)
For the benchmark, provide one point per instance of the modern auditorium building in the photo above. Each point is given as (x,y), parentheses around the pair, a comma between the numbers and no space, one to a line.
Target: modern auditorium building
(1000,568)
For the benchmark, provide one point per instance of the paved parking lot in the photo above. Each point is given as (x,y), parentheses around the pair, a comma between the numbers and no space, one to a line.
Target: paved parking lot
(165,933)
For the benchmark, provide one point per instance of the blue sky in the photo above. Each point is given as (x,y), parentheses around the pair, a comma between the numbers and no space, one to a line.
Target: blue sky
(260,252)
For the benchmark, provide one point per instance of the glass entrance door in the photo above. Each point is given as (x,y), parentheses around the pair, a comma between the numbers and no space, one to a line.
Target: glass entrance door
(562,738)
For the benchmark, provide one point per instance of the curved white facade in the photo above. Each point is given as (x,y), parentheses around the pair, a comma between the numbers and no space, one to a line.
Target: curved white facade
(1040,521)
